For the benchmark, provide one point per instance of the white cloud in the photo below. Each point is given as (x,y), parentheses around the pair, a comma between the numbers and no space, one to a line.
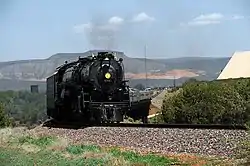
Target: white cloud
(209,17)
(111,25)
(116,20)
(203,22)
(206,19)
(142,17)
(213,18)
(238,17)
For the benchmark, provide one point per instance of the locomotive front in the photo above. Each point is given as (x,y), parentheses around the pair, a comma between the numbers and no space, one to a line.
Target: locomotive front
(90,89)
(107,75)
(110,94)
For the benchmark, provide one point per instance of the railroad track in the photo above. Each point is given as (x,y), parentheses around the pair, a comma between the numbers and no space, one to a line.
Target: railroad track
(54,124)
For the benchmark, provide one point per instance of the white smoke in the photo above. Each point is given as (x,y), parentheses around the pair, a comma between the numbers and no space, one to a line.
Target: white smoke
(100,34)
(107,33)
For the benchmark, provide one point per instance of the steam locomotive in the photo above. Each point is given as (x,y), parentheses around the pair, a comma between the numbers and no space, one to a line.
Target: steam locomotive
(91,89)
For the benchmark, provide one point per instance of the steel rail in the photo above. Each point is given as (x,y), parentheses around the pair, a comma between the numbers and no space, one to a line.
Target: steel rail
(53,124)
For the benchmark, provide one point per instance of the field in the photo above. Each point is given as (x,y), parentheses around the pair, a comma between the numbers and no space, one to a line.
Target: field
(21,147)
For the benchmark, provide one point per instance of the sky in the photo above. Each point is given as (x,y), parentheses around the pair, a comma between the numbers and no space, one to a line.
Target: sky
(37,29)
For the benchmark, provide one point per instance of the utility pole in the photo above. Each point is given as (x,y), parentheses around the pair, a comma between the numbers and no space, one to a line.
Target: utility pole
(174,81)
(145,56)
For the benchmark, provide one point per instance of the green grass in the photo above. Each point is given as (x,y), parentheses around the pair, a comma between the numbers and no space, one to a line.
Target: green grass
(10,157)
(21,148)
(41,141)
(79,149)
(17,154)
(149,159)
(156,119)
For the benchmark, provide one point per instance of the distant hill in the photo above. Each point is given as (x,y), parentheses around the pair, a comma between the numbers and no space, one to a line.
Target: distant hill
(21,74)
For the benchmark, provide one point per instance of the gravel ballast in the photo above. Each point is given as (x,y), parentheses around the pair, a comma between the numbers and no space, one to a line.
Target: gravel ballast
(203,142)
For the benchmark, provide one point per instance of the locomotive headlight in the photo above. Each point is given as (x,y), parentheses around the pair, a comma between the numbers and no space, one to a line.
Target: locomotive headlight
(107,75)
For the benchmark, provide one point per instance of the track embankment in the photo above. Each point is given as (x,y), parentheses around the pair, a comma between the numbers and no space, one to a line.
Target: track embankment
(161,140)
(156,104)
(158,100)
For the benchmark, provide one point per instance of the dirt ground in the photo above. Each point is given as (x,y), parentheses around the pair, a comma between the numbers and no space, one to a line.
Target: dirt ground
(153,110)
(172,74)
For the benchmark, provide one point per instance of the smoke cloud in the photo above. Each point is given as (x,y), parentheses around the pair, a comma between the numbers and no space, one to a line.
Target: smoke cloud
(102,34)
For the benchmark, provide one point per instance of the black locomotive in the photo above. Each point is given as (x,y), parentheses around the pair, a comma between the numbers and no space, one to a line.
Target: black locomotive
(91,89)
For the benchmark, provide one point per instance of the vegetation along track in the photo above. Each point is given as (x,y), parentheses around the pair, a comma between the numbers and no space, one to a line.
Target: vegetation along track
(53,124)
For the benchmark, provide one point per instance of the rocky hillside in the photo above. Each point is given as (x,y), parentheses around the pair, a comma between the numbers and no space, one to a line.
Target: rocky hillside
(38,70)
(159,71)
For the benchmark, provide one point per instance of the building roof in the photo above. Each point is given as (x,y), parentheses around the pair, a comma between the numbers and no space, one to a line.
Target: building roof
(237,67)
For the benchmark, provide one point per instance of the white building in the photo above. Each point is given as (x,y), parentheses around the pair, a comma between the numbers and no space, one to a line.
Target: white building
(237,67)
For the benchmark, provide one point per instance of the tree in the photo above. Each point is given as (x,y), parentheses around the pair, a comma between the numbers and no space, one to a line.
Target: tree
(4,119)
(24,107)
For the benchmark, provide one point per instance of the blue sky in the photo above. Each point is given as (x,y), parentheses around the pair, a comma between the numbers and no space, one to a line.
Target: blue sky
(31,29)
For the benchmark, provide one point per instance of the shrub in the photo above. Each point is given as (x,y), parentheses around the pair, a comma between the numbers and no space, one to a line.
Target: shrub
(4,119)
(216,102)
